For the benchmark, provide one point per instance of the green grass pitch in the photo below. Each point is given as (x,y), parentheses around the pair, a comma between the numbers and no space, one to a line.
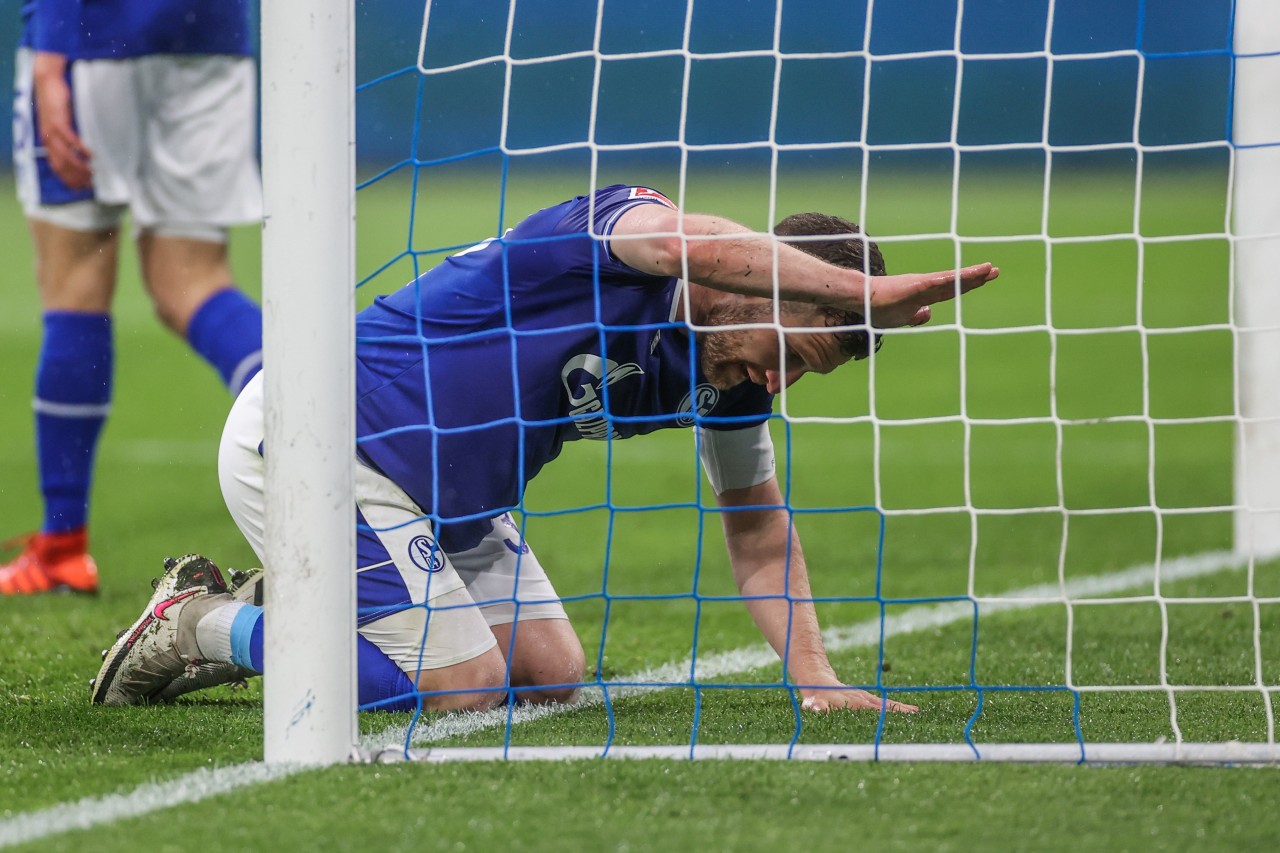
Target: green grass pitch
(1124,364)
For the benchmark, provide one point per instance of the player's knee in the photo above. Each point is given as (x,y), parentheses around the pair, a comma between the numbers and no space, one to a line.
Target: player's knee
(475,685)
(558,675)
(572,668)
(562,693)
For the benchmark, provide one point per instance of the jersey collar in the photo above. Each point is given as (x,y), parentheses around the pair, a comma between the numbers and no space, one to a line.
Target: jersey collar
(677,299)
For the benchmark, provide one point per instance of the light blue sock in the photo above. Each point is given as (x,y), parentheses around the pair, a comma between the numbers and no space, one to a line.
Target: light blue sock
(246,638)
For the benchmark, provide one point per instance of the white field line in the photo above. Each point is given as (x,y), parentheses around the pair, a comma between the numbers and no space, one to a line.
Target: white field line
(153,796)
(868,633)
(204,783)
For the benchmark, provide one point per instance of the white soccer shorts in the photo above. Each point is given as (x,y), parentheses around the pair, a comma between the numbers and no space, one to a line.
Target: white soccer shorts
(174,142)
(423,608)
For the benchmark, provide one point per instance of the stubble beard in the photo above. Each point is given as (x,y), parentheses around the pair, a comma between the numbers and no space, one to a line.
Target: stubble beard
(720,353)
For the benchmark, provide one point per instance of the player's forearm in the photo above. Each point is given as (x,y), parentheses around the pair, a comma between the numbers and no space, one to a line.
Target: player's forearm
(727,256)
(775,585)
(49,66)
(724,255)
(789,624)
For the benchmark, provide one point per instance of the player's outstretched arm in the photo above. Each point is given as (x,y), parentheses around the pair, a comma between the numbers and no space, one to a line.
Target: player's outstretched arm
(761,543)
(721,254)
(68,156)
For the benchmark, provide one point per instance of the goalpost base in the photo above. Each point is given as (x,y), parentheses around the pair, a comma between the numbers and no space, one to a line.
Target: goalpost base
(1231,752)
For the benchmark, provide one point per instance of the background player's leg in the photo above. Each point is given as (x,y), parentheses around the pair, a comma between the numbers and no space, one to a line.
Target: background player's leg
(75,270)
(190,284)
(199,174)
(76,274)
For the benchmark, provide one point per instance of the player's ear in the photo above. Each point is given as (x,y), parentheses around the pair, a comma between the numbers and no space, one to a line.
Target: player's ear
(859,343)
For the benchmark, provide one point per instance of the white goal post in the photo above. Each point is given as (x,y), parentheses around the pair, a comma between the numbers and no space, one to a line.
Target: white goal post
(308,156)
(308,274)
(1256,230)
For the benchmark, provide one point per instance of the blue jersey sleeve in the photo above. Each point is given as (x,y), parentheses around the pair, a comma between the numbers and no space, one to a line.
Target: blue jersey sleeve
(55,25)
(598,213)
(124,29)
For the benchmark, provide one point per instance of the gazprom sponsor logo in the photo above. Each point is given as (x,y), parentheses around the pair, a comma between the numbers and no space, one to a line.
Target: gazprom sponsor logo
(426,554)
(584,377)
(705,395)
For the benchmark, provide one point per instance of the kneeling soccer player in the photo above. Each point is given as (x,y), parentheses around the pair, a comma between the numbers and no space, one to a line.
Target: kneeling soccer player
(625,307)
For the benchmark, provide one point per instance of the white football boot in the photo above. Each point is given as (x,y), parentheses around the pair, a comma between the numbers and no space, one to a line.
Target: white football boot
(160,646)
(244,586)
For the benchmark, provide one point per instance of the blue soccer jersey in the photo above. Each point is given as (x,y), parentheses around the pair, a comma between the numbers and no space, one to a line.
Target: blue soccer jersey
(122,29)
(472,377)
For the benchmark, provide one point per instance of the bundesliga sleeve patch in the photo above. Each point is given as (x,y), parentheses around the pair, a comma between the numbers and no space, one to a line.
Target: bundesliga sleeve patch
(650,195)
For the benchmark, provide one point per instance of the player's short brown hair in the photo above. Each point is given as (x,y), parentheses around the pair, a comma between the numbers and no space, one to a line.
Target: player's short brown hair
(853,252)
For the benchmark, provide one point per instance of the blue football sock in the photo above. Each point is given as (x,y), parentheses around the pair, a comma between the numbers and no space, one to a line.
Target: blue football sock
(246,638)
(72,399)
(379,678)
(227,331)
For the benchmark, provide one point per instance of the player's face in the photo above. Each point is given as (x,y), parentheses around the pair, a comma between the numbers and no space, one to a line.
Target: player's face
(766,356)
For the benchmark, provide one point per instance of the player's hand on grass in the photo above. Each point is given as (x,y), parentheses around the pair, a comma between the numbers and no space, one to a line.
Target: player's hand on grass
(904,300)
(830,699)
(66,152)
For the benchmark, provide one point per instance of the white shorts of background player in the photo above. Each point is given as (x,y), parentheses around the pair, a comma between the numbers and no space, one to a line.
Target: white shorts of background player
(174,142)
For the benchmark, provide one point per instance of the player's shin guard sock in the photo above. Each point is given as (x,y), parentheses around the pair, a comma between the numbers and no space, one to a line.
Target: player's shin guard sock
(246,637)
(227,331)
(72,399)
(213,627)
(379,677)
(230,631)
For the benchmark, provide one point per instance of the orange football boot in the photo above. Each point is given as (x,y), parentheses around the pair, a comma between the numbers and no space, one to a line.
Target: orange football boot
(48,562)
